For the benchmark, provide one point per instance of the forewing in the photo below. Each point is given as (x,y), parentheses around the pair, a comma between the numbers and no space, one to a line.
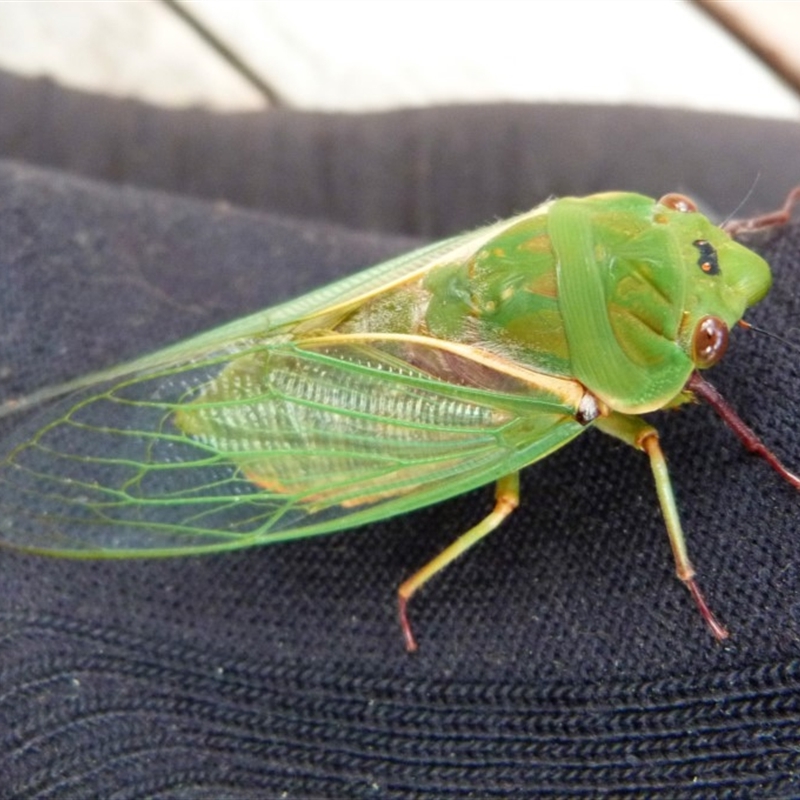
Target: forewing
(276,440)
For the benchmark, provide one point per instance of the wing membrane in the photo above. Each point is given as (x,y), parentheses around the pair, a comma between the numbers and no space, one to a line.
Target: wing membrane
(279,441)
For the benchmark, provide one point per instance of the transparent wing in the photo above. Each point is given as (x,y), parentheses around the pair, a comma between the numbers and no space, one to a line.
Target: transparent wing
(275,440)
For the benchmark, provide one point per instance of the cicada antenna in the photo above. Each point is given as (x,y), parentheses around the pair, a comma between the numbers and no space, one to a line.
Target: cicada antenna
(747,196)
(764,332)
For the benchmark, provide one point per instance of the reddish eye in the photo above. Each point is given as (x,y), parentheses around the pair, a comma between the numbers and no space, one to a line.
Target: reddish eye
(710,341)
(678,202)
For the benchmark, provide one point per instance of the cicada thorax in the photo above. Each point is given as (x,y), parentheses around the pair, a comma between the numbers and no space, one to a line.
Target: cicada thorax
(500,299)
(622,289)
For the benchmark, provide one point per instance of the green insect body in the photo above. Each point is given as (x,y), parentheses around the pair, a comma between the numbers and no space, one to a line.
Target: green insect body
(415,381)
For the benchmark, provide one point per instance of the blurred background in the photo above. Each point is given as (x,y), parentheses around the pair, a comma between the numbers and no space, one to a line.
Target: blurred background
(362,55)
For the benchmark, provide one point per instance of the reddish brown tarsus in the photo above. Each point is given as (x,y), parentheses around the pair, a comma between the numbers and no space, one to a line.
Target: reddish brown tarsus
(700,387)
(405,625)
(717,628)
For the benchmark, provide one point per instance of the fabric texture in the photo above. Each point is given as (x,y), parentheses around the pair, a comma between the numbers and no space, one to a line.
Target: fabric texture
(560,657)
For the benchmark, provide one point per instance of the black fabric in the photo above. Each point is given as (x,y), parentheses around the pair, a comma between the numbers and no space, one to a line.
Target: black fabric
(424,172)
(560,658)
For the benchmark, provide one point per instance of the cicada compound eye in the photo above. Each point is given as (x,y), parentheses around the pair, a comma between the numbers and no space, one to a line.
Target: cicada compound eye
(678,202)
(710,341)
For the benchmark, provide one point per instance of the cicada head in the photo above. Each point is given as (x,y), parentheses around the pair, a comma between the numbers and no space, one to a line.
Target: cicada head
(722,279)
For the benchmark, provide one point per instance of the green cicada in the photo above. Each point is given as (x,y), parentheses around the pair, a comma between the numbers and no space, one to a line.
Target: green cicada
(414,381)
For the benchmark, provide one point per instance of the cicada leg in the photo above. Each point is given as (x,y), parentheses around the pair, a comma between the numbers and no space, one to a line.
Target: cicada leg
(639,434)
(506,500)
(772,219)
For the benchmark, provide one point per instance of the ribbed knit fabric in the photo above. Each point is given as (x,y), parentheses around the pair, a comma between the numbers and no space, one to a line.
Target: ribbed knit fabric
(560,658)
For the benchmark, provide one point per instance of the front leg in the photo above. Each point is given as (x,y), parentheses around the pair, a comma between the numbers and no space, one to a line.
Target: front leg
(639,434)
